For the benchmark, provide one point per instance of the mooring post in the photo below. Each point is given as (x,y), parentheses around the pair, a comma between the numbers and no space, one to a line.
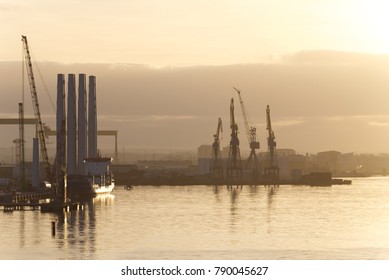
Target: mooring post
(53,228)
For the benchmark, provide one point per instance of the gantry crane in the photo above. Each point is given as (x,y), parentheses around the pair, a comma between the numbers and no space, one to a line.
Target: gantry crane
(217,164)
(234,164)
(271,167)
(35,105)
(252,162)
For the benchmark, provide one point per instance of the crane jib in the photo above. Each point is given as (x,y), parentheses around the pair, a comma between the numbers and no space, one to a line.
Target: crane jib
(35,105)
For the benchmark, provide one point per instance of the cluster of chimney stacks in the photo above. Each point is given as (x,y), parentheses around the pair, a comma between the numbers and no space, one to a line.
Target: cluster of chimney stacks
(76,129)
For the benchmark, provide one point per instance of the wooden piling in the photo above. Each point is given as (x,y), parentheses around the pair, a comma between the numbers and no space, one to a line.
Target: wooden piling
(53,228)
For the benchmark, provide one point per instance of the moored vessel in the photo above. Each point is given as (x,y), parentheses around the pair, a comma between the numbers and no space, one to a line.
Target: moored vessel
(97,180)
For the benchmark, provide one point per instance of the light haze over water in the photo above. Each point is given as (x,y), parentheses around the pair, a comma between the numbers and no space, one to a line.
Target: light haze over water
(205,222)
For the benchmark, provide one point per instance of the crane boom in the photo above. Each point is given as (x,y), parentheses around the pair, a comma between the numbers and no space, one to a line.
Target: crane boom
(268,120)
(251,131)
(272,169)
(234,167)
(232,115)
(216,168)
(245,119)
(219,128)
(35,104)
(271,138)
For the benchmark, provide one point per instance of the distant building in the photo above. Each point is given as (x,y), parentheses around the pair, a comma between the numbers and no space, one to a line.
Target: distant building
(204,157)
(167,168)
(292,164)
(225,152)
(329,160)
(204,151)
(285,152)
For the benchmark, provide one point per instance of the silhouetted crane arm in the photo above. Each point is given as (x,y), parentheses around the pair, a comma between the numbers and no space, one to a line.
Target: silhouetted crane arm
(271,139)
(244,113)
(37,113)
(268,121)
(232,114)
(219,128)
(251,131)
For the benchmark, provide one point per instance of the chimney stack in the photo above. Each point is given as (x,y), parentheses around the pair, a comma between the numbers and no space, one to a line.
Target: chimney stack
(92,120)
(82,123)
(71,133)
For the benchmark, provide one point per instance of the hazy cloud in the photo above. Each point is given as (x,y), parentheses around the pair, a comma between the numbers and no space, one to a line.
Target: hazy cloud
(7,7)
(150,118)
(379,123)
(370,119)
(337,58)
(282,123)
(167,118)
(310,103)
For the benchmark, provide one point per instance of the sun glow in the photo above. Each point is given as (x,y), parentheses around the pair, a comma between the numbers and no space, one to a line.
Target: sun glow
(372,21)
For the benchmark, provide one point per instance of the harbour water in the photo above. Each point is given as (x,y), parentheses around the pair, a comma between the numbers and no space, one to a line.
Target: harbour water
(207,222)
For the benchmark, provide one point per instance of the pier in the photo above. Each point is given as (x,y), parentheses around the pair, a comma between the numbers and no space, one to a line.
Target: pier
(36,201)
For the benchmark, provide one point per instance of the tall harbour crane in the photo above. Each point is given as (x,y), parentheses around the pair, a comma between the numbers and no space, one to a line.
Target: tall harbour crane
(252,162)
(234,164)
(217,164)
(271,167)
(35,105)
(20,142)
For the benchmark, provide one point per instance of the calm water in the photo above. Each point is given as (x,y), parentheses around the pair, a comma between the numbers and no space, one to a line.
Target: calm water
(205,222)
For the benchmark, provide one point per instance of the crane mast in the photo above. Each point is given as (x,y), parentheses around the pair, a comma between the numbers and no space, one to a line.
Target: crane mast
(20,142)
(234,165)
(251,132)
(271,168)
(35,104)
(217,165)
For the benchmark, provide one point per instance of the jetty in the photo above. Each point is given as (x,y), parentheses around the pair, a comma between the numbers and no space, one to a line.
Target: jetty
(43,201)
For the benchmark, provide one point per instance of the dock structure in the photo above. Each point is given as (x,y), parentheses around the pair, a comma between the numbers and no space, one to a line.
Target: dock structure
(36,201)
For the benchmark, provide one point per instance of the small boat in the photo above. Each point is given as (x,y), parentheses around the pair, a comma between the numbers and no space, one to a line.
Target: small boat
(128,187)
(97,180)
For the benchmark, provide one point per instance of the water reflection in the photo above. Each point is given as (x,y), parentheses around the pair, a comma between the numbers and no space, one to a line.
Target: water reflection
(185,222)
(29,227)
(77,229)
(22,229)
(253,190)
(271,192)
(234,191)
(216,191)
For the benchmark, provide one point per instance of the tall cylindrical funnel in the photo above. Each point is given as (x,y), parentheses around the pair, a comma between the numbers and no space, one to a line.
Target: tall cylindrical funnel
(35,180)
(82,123)
(71,133)
(92,118)
(61,125)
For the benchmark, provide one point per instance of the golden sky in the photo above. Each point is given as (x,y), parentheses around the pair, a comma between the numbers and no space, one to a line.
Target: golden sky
(328,80)
(190,32)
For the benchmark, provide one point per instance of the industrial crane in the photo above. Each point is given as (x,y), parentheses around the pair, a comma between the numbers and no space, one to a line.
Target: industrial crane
(217,165)
(234,165)
(35,104)
(271,168)
(20,142)
(252,139)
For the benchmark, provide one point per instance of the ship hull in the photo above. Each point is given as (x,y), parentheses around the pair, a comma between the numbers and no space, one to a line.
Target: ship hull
(82,186)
